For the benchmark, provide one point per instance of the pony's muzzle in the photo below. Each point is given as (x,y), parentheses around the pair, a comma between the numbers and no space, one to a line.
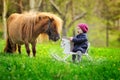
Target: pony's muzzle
(54,38)
(57,38)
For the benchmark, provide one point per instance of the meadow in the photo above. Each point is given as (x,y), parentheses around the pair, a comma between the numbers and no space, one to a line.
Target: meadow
(105,64)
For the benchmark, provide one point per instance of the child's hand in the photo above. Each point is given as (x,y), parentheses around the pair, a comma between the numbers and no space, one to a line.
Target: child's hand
(70,38)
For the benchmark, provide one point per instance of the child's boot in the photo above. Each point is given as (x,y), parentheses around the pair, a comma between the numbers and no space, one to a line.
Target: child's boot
(73,58)
(79,56)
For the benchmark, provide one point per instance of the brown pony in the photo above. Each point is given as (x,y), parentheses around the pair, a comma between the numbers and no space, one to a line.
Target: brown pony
(25,28)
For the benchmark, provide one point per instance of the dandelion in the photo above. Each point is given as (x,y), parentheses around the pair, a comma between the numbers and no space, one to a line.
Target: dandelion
(114,64)
(29,70)
(81,67)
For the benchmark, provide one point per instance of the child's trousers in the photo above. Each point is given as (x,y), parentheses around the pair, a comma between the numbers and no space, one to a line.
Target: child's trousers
(79,54)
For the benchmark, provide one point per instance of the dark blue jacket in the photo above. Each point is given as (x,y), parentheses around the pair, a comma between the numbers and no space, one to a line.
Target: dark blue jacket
(80,43)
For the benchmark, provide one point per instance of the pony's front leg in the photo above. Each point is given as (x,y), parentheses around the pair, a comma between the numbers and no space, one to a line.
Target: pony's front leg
(27,48)
(34,48)
(19,49)
(13,47)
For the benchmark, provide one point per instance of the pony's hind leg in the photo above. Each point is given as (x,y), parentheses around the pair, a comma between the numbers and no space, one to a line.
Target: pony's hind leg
(10,47)
(27,48)
(19,49)
(34,48)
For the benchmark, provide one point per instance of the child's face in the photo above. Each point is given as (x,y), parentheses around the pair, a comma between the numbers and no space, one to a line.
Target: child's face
(79,31)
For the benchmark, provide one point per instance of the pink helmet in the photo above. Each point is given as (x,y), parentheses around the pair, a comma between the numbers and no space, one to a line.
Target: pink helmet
(83,27)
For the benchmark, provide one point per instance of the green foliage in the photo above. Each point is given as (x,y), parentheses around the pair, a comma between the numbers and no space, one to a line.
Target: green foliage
(109,9)
(105,65)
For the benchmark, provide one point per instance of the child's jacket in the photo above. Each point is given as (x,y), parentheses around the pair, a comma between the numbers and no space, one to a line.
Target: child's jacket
(80,43)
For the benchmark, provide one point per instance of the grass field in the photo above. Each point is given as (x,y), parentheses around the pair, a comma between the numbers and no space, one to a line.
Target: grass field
(104,66)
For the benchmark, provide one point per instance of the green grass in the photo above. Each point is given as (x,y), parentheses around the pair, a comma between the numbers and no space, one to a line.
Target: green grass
(105,65)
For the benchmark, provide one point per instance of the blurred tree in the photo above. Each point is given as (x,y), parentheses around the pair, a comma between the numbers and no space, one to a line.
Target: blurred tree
(32,5)
(110,11)
(44,6)
(35,4)
(1,7)
(19,4)
(64,13)
(4,17)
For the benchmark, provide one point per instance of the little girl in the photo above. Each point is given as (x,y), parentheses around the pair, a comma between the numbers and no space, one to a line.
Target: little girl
(80,41)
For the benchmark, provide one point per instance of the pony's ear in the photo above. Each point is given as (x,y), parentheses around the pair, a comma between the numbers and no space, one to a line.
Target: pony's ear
(39,17)
(51,19)
(45,17)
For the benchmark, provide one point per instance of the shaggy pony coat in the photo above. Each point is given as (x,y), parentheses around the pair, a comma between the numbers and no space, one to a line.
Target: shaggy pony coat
(25,28)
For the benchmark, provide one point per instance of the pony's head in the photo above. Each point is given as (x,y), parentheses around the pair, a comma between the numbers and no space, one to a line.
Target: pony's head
(53,27)
(52,30)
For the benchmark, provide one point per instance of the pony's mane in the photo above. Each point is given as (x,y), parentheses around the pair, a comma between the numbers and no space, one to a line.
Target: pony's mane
(35,15)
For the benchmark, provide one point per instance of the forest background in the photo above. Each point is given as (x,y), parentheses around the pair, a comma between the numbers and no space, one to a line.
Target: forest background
(102,16)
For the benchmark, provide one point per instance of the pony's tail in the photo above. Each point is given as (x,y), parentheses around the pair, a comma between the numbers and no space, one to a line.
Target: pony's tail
(9,48)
